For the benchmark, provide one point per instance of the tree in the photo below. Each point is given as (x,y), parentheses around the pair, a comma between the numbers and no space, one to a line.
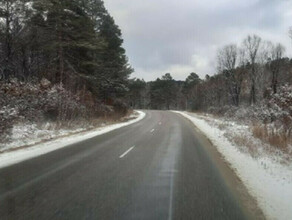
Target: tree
(169,90)
(95,9)
(12,14)
(192,79)
(252,44)
(115,70)
(190,90)
(227,63)
(274,64)
(137,93)
(163,93)
(70,37)
(167,77)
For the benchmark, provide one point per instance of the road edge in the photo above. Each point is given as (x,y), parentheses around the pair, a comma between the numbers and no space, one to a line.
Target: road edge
(240,190)
(10,158)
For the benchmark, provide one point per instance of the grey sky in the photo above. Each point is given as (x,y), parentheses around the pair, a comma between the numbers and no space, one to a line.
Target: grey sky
(182,36)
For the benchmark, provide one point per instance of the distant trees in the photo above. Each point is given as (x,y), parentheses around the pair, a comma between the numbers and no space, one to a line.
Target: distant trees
(137,94)
(163,92)
(246,75)
(252,67)
(190,90)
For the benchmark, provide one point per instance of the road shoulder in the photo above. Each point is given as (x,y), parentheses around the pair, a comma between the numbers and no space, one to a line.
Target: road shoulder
(22,154)
(248,203)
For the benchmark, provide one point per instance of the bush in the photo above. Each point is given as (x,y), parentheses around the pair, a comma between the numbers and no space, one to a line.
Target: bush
(273,136)
(271,119)
(42,102)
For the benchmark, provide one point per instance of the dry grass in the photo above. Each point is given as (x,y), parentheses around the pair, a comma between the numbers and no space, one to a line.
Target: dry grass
(275,137)
(246,144)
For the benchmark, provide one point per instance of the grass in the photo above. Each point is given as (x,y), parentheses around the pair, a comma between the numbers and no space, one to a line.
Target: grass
(245,145)
(278,138)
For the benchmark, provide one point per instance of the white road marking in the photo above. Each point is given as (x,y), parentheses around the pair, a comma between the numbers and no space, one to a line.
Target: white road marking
(124,154)
(152,130)
(170,197)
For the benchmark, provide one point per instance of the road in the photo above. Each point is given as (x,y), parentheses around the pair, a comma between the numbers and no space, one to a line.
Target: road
(159,168)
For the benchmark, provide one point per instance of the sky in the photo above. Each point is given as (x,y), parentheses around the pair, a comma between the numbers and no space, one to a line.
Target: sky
(183,36)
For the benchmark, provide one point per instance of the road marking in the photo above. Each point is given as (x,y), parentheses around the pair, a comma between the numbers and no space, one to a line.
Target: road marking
(124,154)
(160,123)
(152,130)
(170,197)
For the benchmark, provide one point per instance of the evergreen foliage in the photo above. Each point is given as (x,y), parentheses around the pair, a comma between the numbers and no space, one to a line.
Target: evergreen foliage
(72,42)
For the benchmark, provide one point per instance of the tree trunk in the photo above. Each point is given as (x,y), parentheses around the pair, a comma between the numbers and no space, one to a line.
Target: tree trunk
(61,59)
(252,94)
(274,82)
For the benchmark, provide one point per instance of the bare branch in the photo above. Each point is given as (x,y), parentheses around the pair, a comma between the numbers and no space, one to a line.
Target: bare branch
(227,57)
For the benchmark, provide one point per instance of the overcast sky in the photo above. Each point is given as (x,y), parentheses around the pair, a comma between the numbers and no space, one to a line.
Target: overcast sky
(182,36)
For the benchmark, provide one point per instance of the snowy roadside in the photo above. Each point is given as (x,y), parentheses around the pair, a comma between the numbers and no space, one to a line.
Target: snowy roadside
(13,157)
(266,178)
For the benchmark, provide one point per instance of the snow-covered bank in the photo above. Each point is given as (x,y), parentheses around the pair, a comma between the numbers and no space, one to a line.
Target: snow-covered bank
(25,134)
(9,158)
(268,180)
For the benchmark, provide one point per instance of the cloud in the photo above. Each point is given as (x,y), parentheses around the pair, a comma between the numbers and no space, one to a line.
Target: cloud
(183,36)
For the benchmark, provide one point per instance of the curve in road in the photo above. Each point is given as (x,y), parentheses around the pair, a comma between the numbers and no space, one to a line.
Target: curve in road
(158,168)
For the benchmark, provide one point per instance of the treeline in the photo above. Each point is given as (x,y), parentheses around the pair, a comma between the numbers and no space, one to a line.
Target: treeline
(165,93)
(73,43)
(247,74)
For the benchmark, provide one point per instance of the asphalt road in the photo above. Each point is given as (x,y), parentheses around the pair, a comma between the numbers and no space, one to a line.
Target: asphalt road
(158,168)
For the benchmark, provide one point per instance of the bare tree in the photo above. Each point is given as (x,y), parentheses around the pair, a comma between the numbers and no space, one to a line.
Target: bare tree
(252,44)
(227,58)
(227,62)
(276,54)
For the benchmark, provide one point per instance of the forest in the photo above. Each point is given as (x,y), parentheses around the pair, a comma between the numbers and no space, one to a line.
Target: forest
(247,76)
(60,61)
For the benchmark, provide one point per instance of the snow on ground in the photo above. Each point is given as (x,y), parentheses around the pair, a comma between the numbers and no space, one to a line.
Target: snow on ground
(268,180)
(31,134)
(13,157)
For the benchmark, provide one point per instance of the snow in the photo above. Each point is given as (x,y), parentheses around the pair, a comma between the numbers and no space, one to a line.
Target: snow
(31,134)
(268,180)
(13,157)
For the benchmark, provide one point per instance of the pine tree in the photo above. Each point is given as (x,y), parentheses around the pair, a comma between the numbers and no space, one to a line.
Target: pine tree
(72,42)
(115,70)
(71,39)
